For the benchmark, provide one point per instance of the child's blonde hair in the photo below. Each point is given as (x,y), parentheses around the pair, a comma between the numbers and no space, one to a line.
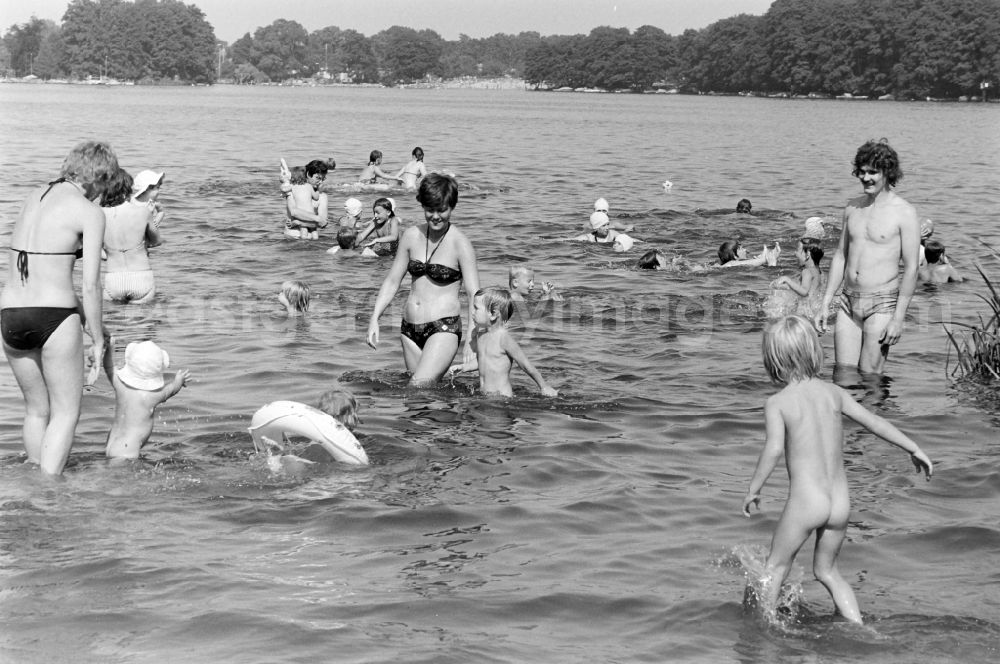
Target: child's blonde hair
(516,272)
(340,405)
(497,300)
(297,294)
(791,350)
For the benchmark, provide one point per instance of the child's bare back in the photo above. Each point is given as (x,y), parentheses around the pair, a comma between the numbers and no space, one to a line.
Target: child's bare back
(803,423)
(810,414)
(494,361)
(140,386)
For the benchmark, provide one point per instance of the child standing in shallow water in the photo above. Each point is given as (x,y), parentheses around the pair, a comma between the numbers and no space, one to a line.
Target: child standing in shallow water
(139,388)
(803,420)
(496,350)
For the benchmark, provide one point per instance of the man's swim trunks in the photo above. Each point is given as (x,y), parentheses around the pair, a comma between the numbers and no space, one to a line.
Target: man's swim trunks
(419,333)
(861,306)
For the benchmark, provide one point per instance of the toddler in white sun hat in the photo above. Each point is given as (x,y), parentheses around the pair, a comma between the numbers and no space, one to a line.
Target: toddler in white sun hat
(140,386)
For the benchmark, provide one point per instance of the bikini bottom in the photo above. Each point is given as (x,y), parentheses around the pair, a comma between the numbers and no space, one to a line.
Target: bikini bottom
(138,287)
(861,306)
(28,328)
(419,333)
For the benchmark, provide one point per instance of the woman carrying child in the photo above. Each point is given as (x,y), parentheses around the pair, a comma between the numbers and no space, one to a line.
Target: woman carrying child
(383,230)
(431,330)
(132,226)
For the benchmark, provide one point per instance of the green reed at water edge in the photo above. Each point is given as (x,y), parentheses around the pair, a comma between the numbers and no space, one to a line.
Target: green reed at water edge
(978,350)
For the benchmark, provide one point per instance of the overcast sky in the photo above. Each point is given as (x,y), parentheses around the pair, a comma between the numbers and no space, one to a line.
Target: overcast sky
(449,18)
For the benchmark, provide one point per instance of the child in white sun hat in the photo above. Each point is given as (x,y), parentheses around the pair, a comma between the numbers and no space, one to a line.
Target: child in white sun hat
(140,386)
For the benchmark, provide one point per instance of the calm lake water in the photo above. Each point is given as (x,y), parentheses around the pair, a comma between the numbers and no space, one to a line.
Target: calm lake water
(600,526)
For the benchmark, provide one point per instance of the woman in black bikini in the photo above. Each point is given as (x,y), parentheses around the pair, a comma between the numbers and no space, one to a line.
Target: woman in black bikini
(440,259)
(40,315)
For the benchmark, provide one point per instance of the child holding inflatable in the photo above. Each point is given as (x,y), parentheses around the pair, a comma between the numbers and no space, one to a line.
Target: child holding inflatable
(328,427)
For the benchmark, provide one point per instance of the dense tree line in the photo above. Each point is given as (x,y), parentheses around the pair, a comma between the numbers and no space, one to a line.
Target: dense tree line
(142,40)
(908,48)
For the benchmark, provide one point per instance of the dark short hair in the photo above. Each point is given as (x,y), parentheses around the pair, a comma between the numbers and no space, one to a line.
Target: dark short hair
(346,238)
(316,167)
(813,248)
(878,154)
(119,189)
(648,260)
(933,250)
(438,191)
(744,205)
(727,251)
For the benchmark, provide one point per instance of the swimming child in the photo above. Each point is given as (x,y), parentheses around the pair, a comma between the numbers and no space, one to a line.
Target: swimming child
(294,296)
(335,410)
(414,171)
(521,280)
(803,420)
(808,253)
(744,206)
(383,230)
(937,270)
(732,253)
(601,205)
(372,172)
(140,386)
(602,233)
(654,259)
(496,350)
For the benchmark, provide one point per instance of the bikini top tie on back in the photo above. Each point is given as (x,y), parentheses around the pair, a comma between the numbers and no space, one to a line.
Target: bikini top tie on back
(439,274)
(22,254)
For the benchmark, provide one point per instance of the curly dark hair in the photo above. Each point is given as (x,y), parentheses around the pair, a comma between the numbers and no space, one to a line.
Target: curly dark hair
(878,154)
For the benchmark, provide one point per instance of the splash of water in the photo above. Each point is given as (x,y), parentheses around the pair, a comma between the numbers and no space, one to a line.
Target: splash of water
(752,559)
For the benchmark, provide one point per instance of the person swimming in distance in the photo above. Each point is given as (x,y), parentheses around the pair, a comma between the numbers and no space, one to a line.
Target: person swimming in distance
(744,206)
(601,205)
(294,297)
(373,171)
(415,171)
(732,253)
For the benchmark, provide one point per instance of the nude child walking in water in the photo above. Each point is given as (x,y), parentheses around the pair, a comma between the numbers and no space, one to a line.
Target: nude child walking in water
(804,421)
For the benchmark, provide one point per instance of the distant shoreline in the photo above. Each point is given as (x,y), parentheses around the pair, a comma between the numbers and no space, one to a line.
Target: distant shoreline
(503,83)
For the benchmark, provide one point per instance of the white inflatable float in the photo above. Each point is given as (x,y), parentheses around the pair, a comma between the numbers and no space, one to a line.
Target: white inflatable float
(281,417)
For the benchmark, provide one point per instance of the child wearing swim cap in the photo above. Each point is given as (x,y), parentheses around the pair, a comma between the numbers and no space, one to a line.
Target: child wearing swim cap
(140,386)
(601,205)
(496,349)
(804,424)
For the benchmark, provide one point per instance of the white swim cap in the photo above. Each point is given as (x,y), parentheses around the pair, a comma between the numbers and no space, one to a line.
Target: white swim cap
(353,206)
(599,219)
(600,205)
